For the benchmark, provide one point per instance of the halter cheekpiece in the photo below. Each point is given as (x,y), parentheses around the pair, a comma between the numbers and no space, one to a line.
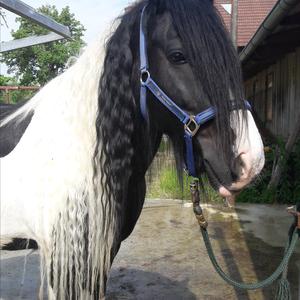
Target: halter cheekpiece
(191,123)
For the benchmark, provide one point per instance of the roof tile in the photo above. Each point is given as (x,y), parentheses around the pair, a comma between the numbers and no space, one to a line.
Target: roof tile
(251,14)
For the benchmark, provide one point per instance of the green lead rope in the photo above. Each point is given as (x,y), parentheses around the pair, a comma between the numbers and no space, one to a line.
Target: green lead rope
(283,285)
(283,289)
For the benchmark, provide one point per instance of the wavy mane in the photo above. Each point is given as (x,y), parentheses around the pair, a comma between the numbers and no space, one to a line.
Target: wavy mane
(62,132)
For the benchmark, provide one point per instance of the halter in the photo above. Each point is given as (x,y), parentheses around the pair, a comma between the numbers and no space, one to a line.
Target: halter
(191,123)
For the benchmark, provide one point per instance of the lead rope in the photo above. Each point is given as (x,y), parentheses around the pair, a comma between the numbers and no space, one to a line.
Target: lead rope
(283,290)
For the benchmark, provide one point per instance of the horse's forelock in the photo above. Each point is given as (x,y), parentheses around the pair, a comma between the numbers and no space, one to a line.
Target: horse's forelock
(213,59)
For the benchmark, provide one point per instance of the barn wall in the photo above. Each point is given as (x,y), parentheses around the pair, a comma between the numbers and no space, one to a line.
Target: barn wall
(275,94)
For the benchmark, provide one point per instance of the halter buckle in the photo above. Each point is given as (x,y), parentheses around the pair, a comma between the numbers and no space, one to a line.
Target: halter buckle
(191,127)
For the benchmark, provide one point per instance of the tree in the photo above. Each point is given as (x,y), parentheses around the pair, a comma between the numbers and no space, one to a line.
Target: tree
(5,80)
(38,64)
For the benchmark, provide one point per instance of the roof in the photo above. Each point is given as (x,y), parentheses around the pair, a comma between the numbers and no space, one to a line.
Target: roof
(251,14)
(278,35)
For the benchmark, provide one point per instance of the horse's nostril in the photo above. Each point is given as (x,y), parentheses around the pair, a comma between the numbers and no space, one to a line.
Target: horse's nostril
(237,168)
(234,176)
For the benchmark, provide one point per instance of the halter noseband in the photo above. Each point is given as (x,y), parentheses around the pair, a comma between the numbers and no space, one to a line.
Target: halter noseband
(191,123)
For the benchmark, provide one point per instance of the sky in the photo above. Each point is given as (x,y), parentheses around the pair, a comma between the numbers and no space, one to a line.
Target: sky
(95,15)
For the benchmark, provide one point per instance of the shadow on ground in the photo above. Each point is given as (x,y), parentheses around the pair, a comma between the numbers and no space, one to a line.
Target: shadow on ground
(165,257)
(137,284)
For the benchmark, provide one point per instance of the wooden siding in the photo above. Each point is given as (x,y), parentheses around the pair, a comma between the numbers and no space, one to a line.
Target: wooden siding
(284,101)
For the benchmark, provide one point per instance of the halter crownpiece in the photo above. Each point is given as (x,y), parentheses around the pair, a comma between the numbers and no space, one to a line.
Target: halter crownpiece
(191,123)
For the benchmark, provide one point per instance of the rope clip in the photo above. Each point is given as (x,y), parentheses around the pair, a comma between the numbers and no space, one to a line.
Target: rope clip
(196,205)
(293,211)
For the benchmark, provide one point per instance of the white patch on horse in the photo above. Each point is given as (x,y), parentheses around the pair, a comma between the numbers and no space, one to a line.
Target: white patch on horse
(48,187)
(249,148)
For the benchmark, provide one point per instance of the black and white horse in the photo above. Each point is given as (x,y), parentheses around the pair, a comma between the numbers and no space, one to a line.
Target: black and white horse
(75,179)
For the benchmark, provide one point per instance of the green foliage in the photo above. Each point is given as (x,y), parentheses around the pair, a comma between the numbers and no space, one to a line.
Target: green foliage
(38,64)
(166,186)
(16,96)
(163,183)
(288,190)
(5,80)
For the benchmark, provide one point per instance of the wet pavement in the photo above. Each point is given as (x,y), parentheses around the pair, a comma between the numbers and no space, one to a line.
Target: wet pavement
(165,257)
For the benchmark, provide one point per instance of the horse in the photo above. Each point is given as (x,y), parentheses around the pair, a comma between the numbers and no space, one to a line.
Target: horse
(74,181)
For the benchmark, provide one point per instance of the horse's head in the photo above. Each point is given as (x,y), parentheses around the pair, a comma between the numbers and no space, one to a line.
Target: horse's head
(192,60)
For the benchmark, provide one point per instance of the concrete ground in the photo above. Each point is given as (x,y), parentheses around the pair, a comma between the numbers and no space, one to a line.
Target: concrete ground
(165,257)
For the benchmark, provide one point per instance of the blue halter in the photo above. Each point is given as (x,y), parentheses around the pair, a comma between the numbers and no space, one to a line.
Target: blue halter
(191,123)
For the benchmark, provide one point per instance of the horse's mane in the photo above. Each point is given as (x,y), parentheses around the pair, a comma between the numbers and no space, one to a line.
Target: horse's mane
(62,135)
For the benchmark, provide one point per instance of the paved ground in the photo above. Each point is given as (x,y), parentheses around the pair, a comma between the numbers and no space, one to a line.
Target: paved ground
(165,258)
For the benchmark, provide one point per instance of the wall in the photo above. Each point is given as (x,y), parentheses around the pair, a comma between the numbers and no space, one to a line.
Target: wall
(275,94)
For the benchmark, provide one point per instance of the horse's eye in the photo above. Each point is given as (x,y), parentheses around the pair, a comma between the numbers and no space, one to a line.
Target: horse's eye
(177,57)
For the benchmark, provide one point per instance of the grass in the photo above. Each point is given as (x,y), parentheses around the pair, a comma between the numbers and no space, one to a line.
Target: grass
(165,185)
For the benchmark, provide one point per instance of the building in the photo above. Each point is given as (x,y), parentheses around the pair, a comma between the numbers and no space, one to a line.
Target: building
(249,15)
(271,67)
